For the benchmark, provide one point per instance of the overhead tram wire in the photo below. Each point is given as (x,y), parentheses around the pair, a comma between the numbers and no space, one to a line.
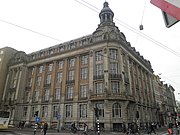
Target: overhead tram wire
(133,29)
(31,30)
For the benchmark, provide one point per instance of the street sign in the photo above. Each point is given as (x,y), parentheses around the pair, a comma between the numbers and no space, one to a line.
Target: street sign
(172,7)
(169,20)
(38,119)
(170,10)
(59,116)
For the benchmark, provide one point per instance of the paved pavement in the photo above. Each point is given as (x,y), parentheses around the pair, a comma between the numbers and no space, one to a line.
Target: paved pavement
(29,131)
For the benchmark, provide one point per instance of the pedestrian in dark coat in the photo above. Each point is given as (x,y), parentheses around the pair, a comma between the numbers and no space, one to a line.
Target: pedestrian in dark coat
(45,128)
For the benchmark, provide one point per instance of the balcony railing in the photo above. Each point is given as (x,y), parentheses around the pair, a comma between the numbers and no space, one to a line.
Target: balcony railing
(98,77)
(115,76)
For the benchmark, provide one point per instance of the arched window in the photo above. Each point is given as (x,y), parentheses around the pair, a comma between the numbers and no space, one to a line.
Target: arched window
(116,110)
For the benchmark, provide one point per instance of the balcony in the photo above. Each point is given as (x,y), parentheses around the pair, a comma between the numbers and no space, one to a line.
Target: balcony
(96,96)
(98,77)
(115,76)
(70,81)
(47,85)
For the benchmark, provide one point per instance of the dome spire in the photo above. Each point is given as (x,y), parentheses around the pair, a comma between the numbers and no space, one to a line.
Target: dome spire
(106,15)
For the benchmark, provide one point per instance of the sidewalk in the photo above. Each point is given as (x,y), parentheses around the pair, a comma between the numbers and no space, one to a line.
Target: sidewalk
(159,131)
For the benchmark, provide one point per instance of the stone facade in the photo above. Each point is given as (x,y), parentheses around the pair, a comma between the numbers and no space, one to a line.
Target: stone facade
(69,80)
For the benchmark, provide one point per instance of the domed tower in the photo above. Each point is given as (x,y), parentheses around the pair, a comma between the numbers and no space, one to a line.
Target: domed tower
(106,15)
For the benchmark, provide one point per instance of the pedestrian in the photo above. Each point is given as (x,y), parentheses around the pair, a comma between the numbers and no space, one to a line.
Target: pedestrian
(73,127)
(45,128)
(152,128)
(85,128)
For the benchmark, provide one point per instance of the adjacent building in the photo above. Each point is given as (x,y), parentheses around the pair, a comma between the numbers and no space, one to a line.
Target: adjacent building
(65,82)
(6,54)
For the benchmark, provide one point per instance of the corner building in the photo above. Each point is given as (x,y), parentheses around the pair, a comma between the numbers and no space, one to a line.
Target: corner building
(70,79)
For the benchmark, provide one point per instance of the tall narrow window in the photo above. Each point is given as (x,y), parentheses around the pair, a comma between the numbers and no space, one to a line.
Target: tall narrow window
(36,95)
(100,106)
(99,69)
(84,73)
(60,64)
(69,111)
(84,59)
(115,87)
(57,93)
(55,111)
(113,54)
(83,110)
(72,62)
(116,110)
(45,111)
(99,55)
(69,92)
(46,95)
(38,81)
(49,67)
(40,69)
(113,68)
(59,77)
(71,75)
(48,79)
(25,111)
(99,88)
(83,91)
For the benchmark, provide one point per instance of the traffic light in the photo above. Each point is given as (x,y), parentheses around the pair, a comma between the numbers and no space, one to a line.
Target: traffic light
(36,114)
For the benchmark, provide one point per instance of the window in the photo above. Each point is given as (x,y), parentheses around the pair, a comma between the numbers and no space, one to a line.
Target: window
(32,70)
(113,54)
(100,106)
(99,69)
(59,77)
(55,110)
(61,48)
(40,69)
(83,91)
(25,111)
(69,92)
(113,68)
(45,111)
(99,55)
(83,111)
(99,88)
(84,73)
(33,110)
(29,82)
(48,79)
(115,87)
(46,95)
(72,62)
(71,75)
(49,67)
(36,95)
(116,110)
(57,93)
(60,64)
(84,59)
(27,96)
(38,81)
(69,111)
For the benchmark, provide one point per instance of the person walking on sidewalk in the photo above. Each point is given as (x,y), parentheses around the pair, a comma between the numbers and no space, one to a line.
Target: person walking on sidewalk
(45,128)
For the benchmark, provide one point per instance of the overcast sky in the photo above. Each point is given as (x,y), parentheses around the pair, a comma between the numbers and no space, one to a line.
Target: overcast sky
(32,25)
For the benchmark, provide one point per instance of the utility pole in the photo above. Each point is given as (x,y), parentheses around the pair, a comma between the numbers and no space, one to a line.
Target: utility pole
(59,110)
(96,110)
